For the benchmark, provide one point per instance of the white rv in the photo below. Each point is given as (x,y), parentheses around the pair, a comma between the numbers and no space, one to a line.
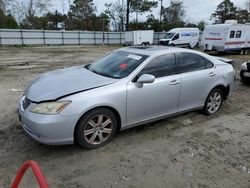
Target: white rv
(181,37)
(140,37)
(230,36)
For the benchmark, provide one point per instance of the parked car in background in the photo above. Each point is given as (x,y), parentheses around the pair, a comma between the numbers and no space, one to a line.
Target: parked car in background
(245,72)
(182,37)
(128,87)
(230,36)
(139,37)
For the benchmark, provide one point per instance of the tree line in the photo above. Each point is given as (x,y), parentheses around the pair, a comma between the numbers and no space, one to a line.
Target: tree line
(116,16)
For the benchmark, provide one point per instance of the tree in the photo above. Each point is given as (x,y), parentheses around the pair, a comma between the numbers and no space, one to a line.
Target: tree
(173,15)
(225,11)
(80,14)
(32,10)
(138,7)
(242,16)
(116,13)
(2,6)
(201,25)
(8,21)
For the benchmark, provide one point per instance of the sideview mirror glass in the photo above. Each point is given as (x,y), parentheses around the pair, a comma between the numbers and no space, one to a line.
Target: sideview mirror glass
(146,79)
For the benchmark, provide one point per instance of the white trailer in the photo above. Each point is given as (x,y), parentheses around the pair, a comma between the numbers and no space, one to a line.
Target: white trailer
(140,37)
(230,36)
(181,37)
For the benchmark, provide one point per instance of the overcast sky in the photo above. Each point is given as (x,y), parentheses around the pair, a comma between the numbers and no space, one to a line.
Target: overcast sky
(196,10)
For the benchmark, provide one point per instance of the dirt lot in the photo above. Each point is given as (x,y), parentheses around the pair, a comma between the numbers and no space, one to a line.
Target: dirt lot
(191,150)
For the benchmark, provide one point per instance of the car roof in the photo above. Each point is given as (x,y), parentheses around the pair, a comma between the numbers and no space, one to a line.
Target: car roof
(155,50)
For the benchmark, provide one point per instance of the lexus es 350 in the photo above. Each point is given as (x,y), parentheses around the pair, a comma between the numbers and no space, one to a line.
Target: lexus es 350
(128,87)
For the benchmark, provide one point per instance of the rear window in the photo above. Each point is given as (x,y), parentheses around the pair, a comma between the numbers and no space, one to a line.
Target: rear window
(232,33)
(238,34)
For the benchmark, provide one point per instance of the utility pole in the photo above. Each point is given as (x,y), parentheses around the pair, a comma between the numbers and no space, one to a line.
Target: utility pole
(160,13)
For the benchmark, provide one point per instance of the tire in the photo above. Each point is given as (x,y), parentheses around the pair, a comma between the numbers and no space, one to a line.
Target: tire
(96,128)
(246,52)
(213,102)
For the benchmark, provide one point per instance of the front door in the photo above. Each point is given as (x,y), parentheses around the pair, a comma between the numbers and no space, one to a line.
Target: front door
(156,99)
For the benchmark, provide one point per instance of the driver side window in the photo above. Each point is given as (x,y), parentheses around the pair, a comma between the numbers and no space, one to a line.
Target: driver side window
(161,66)
(176,37)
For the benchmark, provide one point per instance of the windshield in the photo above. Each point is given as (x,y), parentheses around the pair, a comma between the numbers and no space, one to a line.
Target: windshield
(169,35)
(117,64)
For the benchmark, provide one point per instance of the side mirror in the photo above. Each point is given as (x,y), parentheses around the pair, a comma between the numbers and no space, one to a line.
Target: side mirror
(146,79)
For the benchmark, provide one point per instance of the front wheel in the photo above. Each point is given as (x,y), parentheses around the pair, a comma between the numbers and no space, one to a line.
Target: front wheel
(96,128)
(213,102)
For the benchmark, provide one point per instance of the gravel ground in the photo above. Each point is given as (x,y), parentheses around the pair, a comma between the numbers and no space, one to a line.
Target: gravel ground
(191,150)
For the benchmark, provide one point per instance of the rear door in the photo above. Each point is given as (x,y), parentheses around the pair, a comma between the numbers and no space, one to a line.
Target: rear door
(197,76)
(155,99)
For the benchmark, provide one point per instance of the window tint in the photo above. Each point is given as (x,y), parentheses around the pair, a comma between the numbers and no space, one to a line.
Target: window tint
(160,66)
(191,62)
(177,36)
(232,33)
(238,34)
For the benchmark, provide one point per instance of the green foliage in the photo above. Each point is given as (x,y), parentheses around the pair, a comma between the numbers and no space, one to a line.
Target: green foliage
(174,14)
(201,25)
(242,16)
(115,12)
(10,22)
(139,7)
(142,6)
(48,21)
(81,14)
(7,21)
(226,10)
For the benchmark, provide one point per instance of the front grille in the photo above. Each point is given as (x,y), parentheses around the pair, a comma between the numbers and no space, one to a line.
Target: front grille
(163,43)
(25,103)
(248,67)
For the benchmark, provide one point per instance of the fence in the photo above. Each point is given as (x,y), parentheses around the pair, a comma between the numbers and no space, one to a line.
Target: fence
(53,37)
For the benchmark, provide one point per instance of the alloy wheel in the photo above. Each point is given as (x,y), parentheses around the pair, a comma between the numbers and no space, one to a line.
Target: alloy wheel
(98,129)
(214,102)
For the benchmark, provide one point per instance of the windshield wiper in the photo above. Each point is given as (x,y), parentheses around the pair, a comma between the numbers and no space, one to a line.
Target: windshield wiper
(103,74)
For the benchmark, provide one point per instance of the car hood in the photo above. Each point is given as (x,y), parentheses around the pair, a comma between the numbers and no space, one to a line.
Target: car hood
(57,84)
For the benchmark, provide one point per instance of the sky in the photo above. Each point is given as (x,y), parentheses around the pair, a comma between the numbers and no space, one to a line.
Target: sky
(196,10)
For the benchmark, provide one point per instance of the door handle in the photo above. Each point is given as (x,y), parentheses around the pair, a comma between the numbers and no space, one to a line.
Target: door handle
(174,82)
(211,74)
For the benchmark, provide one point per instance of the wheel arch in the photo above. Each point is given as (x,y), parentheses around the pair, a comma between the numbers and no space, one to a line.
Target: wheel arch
(117,114)
(225,90)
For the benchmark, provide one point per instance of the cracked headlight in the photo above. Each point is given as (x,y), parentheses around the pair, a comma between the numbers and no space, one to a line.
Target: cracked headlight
(50,108)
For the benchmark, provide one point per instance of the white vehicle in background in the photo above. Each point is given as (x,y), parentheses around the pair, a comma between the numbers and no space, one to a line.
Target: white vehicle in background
(229,36)
(139,37)
(181,37)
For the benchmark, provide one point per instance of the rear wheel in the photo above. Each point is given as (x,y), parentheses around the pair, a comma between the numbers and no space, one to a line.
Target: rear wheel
(96,128)
(213,102)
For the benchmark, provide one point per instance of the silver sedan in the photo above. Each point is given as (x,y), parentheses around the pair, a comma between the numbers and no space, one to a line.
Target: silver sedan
(128,87)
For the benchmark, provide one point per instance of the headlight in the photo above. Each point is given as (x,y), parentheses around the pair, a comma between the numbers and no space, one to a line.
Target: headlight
(50,108)
(244,66)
